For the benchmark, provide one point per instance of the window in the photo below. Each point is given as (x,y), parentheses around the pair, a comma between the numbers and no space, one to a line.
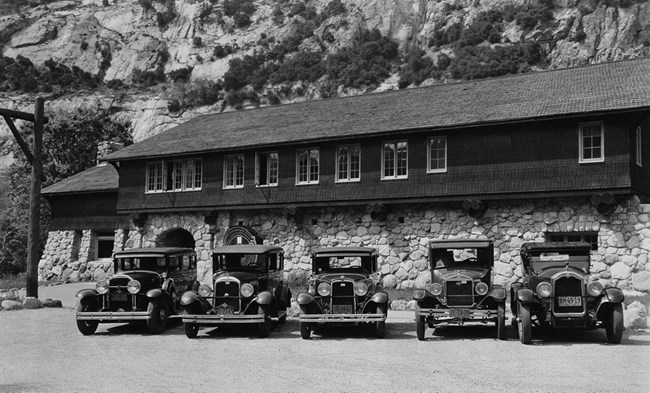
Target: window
(104,245)
(307,163)
(266,169)
(176,175)
(589,237)
(348,163)
(638,155)
(591,143)
(395,160)
(437,154)
(233,171)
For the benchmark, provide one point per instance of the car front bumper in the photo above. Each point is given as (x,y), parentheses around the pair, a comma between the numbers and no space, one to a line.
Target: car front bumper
(451,314)
(218,319)
(339,318)
(113,316)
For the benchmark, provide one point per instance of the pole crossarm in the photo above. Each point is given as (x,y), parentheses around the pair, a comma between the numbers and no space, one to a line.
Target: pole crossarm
(20,115)
(19,139)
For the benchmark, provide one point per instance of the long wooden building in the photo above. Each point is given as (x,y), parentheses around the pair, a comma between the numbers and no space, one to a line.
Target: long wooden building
(541,156)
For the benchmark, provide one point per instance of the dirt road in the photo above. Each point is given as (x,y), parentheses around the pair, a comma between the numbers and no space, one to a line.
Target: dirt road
(42,351)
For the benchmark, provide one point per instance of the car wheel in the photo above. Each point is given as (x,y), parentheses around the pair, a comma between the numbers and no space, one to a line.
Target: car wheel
(614,325)
(501,321)
(420,328)
(87,328)
(264,328)
(191,329)
(380,325)
(524,324)
(158,317)
(305,330)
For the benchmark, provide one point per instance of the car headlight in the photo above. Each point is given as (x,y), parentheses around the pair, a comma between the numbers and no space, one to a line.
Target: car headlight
(595,288)
(544,289)
(436,289)
(101,287)
(133,287)
(481,288)
(247,290)
(324,289)
(204,290)
(418,294)
(360,288)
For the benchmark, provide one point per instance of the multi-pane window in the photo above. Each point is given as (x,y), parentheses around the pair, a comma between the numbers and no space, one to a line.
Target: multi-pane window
(437,154)
(266,171)
(588,237)
(591,142)
(307,166)
(395,160)
(233,168)
(638,155)
(174,175)
(348,163)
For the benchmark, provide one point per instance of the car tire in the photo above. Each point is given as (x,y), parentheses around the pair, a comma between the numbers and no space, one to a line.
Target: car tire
(305,330)
(158,316)
(420,328)
(380,326)
(524,323)
(264,328)
(191,329)
(501,321)
(614,324)
(87,328)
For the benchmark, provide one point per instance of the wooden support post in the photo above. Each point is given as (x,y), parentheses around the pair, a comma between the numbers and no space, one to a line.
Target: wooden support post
(33,254)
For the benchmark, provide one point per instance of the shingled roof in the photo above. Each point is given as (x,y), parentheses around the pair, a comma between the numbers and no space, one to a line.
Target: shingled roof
(100,178)
(605,87)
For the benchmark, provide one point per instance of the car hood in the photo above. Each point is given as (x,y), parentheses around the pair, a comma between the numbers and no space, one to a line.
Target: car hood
(242,276)
(147,279)
(550,272)
(337,276)
(474,274)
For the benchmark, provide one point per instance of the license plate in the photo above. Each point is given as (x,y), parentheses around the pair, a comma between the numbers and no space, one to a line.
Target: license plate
(224,310)
(339,309)
(569,301)
(119,297)
(459,313)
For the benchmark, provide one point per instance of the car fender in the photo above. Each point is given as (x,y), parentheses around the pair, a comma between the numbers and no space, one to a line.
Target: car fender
(525,295)
(379,298)
(155,293)
(304,299)
(264,298)
(499,293)
(614,295)
(84,293)
(610,297)
(308,304)
(188,298)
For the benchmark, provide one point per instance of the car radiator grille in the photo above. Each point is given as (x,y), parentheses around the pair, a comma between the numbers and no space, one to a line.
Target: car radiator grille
(119,299)
(567,286)
(227,292)
(460,293)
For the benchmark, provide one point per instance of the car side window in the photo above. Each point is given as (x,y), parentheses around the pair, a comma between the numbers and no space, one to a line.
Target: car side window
(273,262)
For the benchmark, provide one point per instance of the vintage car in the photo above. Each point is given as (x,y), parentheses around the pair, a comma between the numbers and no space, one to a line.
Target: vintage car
(247,287)
(461,288)
(344,288)
(145,287)
(556,291)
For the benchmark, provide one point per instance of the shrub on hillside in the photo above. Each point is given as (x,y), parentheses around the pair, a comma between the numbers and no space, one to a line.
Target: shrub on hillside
(486,26)
(475,62)
(417,69)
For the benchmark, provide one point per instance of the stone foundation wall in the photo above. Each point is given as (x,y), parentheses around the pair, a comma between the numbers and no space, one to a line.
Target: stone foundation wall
(402,237)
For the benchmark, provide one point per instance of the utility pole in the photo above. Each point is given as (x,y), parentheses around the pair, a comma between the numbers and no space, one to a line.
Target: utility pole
(35,158)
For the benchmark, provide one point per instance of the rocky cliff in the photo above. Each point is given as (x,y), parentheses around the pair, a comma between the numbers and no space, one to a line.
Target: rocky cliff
(176,44)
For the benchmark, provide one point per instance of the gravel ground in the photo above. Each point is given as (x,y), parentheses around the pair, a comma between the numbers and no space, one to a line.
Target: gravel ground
(42,351)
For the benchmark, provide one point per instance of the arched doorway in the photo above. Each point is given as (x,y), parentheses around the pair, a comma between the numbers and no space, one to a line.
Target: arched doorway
(175,237)
(240,234)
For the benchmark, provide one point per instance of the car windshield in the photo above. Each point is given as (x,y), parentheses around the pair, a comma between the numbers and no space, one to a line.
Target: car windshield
(551,259)
(342,263)
(240,261)
(454,257)
(141,263)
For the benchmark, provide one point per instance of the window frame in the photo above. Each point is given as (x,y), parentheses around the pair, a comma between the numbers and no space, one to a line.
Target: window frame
(175,166)
(235,171)
(566,237)
(581,140)
(395,175)
(638,138)
(268,171)
(309,181)
(429,144)
(349,178)
(159,174)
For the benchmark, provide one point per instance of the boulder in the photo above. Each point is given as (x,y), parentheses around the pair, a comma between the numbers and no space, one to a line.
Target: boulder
(52,303)
(32,303)
(641,281)
(11,305)
(410,306)
(636,316)
(398,305)
(390,281)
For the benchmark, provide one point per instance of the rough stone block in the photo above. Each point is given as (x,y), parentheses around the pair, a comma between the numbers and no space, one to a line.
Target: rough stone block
(11,305)
(620,271)
(32,303)
(53,303)
(398,305)
(635,316)
(641,281)
(390,281)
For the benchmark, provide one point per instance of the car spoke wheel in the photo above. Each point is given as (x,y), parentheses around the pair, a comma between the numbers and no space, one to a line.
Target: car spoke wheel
(501,321)
(614,325)
(158,317)
(305,330)
(524,325)
(420,327)
(380,325)
(191,329)
(87,328)
(264,328)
